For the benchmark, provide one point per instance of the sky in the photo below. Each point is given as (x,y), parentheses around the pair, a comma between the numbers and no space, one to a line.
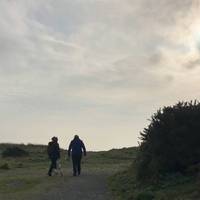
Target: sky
(96,68)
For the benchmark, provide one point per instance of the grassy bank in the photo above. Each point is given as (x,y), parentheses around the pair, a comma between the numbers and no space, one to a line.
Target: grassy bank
(171,187)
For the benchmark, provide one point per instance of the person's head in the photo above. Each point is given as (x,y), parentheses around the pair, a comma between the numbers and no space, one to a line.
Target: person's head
(76,137)
(54,139)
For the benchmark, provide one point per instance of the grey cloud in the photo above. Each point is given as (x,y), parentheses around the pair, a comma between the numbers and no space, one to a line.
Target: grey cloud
(198,46)
(103,57)
(193,64)
(166,12)
(155,58)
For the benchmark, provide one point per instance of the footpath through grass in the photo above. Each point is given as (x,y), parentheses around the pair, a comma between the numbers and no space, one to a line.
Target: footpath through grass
(26,178)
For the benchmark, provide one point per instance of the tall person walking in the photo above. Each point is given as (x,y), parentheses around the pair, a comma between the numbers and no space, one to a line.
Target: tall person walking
(76,149)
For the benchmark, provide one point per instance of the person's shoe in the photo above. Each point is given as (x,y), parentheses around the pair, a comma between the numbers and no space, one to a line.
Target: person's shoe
(74,174)
(49,174)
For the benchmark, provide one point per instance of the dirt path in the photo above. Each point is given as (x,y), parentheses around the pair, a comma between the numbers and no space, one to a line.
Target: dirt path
(88,186)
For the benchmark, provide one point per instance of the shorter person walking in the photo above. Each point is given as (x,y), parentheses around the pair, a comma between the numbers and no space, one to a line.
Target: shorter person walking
(53,151)
(76,148)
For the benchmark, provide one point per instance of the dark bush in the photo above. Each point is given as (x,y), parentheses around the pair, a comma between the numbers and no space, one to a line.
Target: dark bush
(171,143)
(4,166)
(14,152)
(145,195)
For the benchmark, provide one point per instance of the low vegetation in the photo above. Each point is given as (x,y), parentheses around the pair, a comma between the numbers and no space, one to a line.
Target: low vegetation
(167,165)
(14,152)
(22,170)
(5,166)
(26,177)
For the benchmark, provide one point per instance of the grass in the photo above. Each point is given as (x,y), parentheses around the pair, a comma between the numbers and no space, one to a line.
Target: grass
(26,177)
(125,186)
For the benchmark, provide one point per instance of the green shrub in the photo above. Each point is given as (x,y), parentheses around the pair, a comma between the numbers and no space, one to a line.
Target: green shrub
(19,165)
(145,195)
(14,152)
(171,142)
(5,166)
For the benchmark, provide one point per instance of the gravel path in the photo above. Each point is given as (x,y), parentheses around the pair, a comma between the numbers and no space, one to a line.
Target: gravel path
(88,186)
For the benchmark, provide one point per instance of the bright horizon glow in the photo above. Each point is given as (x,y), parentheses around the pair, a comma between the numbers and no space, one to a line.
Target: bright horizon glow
(95,68)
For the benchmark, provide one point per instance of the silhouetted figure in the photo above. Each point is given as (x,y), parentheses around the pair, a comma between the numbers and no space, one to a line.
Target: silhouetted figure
(76,148)
(53,151)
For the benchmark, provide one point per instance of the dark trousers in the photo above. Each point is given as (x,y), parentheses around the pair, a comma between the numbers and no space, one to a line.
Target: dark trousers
(52,165)
(76,159)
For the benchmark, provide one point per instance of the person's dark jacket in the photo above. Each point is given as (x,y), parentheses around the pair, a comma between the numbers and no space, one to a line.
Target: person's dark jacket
(77,147)
(53,150)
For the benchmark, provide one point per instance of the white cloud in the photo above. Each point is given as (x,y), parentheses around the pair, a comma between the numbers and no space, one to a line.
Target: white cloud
(116,61)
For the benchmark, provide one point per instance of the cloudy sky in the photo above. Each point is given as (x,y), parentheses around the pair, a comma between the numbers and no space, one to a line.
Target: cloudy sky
(97,68)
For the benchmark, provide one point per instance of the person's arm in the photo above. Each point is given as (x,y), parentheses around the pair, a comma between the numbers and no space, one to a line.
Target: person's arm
(58,151)
(69,149)
(84,149)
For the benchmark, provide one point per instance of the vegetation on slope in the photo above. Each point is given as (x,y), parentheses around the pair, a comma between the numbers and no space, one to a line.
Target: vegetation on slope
(14,152)
(26,177)
(167,165)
